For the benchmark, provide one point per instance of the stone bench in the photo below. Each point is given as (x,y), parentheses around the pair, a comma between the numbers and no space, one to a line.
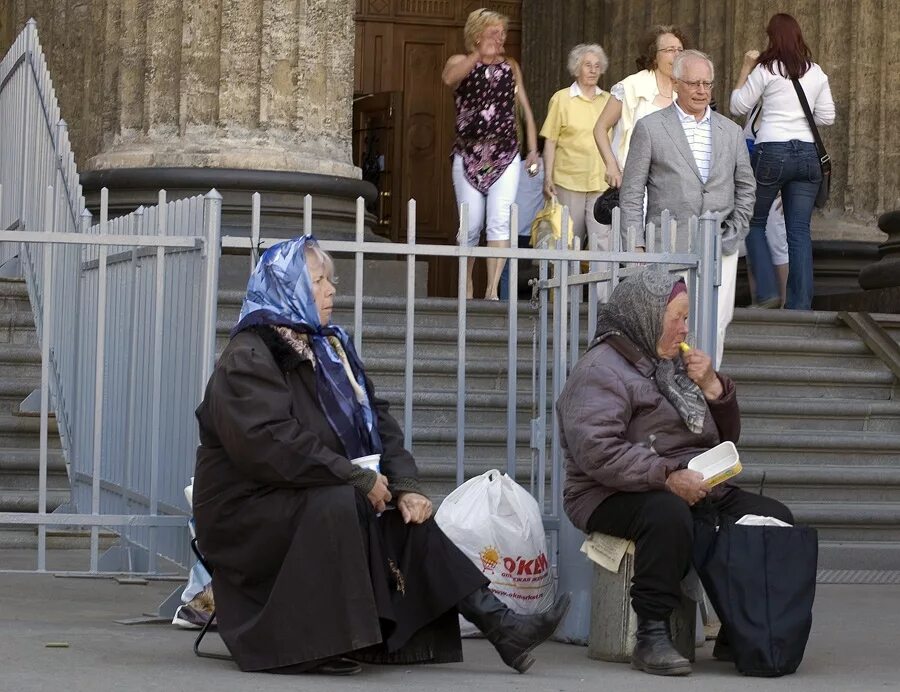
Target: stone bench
(614,622)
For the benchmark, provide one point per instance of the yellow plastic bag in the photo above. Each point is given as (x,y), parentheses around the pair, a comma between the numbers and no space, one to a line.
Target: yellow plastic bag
(547,225)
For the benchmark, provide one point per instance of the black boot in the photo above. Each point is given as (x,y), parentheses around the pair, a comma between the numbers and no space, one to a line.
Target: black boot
(654,652)
(722,648)
(513,635)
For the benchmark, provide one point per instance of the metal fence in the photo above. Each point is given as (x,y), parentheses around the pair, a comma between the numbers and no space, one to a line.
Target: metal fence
(562,330)
(125,315)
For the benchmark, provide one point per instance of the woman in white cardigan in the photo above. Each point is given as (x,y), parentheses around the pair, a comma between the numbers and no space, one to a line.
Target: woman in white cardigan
(784,157)
(639,94)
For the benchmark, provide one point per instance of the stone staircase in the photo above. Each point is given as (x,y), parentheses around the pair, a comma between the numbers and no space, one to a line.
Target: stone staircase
(821,413)
(20,374)
(821,429)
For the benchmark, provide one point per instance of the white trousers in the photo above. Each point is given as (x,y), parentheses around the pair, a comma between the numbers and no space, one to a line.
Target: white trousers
(726,302)
(492,209)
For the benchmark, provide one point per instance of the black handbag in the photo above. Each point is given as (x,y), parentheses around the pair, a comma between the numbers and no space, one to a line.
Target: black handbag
(605,204)
(761,581)
(824,158)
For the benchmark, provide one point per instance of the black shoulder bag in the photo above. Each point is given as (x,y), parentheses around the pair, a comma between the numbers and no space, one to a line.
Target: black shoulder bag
(824,158)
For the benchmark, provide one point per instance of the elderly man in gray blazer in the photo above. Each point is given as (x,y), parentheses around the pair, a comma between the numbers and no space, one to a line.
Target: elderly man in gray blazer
(691,160)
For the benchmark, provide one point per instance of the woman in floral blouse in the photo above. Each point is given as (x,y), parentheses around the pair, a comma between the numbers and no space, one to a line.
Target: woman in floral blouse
(487,87)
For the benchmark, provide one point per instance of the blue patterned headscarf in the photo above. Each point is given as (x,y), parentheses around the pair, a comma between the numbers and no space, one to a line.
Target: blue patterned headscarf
(280,292)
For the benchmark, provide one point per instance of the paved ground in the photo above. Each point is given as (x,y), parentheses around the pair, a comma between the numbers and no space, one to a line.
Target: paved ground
(853,647)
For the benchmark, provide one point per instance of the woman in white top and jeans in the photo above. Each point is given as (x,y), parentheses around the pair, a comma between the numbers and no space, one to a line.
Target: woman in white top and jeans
(784,157)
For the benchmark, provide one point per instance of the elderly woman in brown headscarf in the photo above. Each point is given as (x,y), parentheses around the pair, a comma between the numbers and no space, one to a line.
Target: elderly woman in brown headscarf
(634,411)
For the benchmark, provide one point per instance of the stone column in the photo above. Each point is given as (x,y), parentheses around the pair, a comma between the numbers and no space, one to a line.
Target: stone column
(241,95)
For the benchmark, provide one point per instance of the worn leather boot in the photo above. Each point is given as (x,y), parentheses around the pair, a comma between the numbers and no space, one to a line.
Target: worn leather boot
(654,652)
(513,635)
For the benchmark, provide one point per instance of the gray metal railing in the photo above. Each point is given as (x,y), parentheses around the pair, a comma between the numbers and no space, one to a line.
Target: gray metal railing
(125,314)
(561,335)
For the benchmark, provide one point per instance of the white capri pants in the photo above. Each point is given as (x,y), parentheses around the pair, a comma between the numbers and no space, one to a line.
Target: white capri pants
(497,201)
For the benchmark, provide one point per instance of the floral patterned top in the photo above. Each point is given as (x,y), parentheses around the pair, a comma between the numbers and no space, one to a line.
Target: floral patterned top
(486,136)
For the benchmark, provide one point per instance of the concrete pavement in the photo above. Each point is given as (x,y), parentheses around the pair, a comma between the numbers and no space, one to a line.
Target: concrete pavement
(853,647)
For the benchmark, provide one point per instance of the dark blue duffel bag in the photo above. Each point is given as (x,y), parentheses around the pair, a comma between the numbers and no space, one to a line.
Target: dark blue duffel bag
(762,582)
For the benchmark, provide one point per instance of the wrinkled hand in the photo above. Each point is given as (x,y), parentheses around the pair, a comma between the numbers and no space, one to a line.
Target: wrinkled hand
(549,188)
(750,58)
(700,370)
(379,495)
(415,508)
(688,485)
(614,177)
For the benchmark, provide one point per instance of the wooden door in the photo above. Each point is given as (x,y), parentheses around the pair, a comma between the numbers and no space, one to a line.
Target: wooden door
(376,150)
(402,46)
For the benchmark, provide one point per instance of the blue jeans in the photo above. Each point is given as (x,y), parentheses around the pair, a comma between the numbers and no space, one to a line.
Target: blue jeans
(792,168)
(503,289)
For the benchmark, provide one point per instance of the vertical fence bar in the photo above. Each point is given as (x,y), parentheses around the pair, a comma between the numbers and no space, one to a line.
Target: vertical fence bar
(616,246)
(307,215)
(693,280)
(212,224)
(358,276)
(512,352)
(46,310)
(133,366)
(410,326)
(706,319)
(540,431)
(99,360)
(162,219)
(461,293)
(574,306)
(255,206)
(593,291)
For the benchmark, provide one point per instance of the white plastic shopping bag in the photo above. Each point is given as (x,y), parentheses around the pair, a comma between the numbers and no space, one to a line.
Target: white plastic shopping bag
(497,524)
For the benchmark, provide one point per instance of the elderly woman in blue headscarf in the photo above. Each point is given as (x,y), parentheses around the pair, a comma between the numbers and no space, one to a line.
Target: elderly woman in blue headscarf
(319,563)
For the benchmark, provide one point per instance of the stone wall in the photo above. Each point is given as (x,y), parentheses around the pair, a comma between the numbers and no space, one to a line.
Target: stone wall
(246,84)
(857,43)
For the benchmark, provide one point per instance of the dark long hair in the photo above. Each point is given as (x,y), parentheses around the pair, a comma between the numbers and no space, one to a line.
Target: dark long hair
(787,47)
(650,42)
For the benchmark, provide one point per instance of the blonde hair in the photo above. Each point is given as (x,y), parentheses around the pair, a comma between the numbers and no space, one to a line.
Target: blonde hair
(478,21)
(316,255)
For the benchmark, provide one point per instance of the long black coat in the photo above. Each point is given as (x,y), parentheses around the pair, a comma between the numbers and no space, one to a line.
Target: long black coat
(287,535)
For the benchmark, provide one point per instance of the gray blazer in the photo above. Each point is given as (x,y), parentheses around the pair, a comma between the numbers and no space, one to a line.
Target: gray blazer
(660,160)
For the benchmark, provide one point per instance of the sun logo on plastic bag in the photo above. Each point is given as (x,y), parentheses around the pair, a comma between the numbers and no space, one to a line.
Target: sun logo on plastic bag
(490,558)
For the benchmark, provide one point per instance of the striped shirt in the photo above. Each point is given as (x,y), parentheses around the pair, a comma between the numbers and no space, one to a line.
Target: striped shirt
(699,137)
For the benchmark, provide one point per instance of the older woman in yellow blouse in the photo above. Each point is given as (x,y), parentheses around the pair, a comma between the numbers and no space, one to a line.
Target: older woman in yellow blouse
(572,170)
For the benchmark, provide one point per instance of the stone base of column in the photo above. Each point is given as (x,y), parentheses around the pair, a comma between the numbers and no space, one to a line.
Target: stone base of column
(333,210)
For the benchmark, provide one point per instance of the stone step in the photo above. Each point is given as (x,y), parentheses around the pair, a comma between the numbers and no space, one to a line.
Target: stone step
(25,500)
(26,460)
(765,351)
(20,361)
(388,311)
(800,413)
(846,484)
(57,539)
(22,432)
(17,329)
(856,555)
(27,481)
(870,521)
(875,383)
(13,391)
(437,374)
